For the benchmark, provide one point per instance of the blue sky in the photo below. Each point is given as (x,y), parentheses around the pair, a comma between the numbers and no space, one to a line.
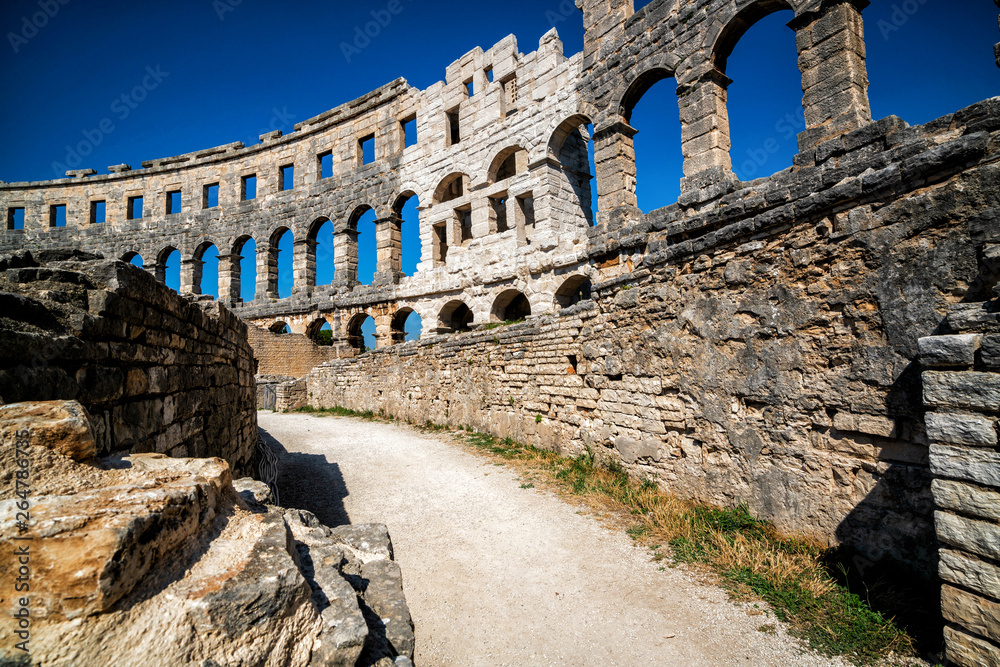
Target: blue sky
(217,71)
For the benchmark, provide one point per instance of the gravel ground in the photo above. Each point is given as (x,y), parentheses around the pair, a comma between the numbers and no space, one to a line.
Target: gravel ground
(499,575)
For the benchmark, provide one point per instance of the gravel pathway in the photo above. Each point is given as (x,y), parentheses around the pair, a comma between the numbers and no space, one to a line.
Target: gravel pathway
(499,575)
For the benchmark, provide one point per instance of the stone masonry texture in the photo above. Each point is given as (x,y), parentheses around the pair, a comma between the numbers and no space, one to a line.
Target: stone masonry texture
(776,342)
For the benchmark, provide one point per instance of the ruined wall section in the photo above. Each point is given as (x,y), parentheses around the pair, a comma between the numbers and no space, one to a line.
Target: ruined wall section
(761,350)
(506,105)
(157,372)
(286,354)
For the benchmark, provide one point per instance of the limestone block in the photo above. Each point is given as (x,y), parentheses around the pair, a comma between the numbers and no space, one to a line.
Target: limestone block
(969,572)
(61,426)
(971,390)
(978,537)
(966,650)
(949,350)
(974,465)
(955,429)
(384,594)
(870,424)
(967,499)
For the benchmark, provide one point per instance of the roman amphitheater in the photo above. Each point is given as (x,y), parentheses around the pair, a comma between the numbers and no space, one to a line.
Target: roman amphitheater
(822,344)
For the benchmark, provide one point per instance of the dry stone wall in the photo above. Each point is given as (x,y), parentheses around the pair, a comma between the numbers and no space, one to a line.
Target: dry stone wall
(286,354)
(156,371)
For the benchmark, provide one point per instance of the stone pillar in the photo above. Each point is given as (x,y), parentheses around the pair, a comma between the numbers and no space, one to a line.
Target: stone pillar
(345,258)
(383,331)
(229,278)
(614,157)
(961,383)
(303,257)
(389,251)
(271,270)
(263,288)
(191,276)
(831,46)
(705,140)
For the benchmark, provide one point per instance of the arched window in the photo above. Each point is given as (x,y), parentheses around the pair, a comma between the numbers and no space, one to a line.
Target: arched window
(319,263)
(508,163)
(406,326)
(650,107)
(456,230)
(206,270)
(407,209)
(244,274)
(574,290)
(133,258)
(365,244)
(454,186)
(455,317)
(361,333)
(764,101)
(280,278)
(572,146)
(168,268)
(320,332)
(280,328)
(510,306)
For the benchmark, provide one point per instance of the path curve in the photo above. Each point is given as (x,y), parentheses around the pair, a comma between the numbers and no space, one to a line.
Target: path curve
(499,575)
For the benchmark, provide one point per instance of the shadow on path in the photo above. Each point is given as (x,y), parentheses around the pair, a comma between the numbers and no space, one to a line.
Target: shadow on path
(309,482)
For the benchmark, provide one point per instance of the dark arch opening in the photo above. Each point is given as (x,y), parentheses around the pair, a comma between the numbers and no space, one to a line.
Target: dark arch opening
(168,268)
(650,106)
(455,317)
(361,333)
(319,262)
(511,306)
(244,274)
(454,186)
(573,291)
(206,274)
(407,209)
(280,279)
(508,163)
(406,326)
(280,328)
(741,23)
(320,332)
(133,258)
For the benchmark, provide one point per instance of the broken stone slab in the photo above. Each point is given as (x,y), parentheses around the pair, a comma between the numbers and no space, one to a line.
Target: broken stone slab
(959,350)
(953,429)
(383,593)
(253,491)
(92,548)
(969,572)
(967,499)
(62,426)
(366,542)
(981,538)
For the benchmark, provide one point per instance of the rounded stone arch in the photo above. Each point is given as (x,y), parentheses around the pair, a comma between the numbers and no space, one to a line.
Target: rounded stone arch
(455,317)
(355,215)
(161,261)
(510,304)
(128,256)
(355,336)
(561,131)
(280,327)
(398,324)
(315,326)
(271,258)
(445,192)
(406,193)
(313,228)
(502,162)
(240,242)
(636,84)
(573,290)
(202,247)
(730,24)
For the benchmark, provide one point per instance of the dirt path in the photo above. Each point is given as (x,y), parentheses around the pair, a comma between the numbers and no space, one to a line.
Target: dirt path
(499,575)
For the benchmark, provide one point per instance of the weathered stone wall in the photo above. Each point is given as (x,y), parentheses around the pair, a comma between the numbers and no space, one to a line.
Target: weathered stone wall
(763,349)
(156,371)
(286,354)
(961,388)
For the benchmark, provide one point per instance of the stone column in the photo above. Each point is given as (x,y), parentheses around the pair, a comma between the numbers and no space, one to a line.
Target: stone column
(389,251)
(705,140)
(263,288)
(303,258)
(345,258)
(961,384)
(383,331)
(831,46)
(271,270)
(191,276)
(614,155)
(229,278)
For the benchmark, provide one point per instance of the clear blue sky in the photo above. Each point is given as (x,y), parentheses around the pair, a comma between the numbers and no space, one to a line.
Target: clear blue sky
(228,70)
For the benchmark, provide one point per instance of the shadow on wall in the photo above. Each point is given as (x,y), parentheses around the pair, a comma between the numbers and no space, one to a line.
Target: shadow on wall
(308,482)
